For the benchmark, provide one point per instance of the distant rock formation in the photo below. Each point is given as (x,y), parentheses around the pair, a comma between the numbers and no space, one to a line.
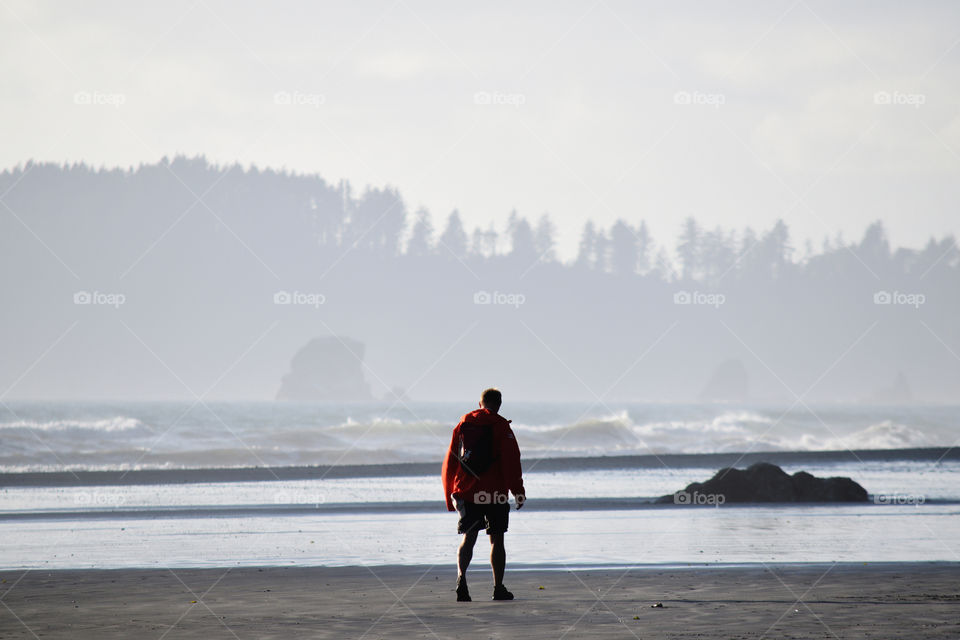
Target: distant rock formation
(727,384)
(326,369)
(765,482)
(897,393)
(396,394)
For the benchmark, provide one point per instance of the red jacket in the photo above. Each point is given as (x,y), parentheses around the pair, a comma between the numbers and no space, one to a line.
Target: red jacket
(503,475)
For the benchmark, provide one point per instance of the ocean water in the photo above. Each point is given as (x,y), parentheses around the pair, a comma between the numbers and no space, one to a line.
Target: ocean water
(585,507)
(122,435)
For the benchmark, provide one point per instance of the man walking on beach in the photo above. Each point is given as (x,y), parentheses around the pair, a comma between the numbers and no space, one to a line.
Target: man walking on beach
(481,467)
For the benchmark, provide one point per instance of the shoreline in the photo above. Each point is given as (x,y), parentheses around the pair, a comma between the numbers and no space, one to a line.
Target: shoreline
(917,600)
(411,469)
(407,507)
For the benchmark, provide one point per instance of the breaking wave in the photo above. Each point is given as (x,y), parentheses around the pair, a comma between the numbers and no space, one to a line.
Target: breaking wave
(155,436)
(117,423)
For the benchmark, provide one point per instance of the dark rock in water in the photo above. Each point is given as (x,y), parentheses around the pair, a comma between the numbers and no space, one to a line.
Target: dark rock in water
(326,370)
(765,482)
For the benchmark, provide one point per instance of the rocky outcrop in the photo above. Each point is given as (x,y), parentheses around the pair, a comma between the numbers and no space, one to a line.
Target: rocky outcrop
(326,369)
(765,482)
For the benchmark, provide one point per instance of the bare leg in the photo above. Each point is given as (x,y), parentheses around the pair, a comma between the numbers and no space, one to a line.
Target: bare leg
(465,552)
(498,557)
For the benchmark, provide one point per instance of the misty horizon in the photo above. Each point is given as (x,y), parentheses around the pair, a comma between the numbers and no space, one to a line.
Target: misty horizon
(234,271)
(742,204)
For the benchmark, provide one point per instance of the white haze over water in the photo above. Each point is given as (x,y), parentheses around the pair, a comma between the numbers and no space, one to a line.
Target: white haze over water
(125,435)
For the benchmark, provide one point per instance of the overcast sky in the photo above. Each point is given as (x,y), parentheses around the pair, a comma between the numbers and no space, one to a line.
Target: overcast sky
(827,114)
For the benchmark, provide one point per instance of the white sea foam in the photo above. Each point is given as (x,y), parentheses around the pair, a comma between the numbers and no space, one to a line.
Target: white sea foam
(882,435)
(117,423)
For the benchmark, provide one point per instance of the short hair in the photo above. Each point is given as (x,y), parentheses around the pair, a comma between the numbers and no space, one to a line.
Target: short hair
(491,398)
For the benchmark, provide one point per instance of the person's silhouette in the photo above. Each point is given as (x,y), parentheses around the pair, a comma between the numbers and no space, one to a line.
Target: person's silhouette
(481,469)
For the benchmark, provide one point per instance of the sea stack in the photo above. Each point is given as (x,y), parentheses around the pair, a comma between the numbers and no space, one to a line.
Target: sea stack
(328,369)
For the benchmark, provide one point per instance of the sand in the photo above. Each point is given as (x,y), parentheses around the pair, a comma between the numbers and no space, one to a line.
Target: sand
(822,601)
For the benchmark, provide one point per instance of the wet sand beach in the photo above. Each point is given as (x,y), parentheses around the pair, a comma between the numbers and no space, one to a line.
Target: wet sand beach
(895,600)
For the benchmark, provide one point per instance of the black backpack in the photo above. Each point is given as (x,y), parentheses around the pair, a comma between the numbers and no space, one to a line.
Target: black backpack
(476,448)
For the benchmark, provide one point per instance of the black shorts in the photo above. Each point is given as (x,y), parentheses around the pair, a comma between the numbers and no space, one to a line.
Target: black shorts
(473,517)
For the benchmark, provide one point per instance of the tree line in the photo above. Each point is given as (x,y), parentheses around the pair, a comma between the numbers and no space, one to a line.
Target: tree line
(334,218)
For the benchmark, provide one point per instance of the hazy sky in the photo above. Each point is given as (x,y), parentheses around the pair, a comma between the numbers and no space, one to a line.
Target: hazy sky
(827,114)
